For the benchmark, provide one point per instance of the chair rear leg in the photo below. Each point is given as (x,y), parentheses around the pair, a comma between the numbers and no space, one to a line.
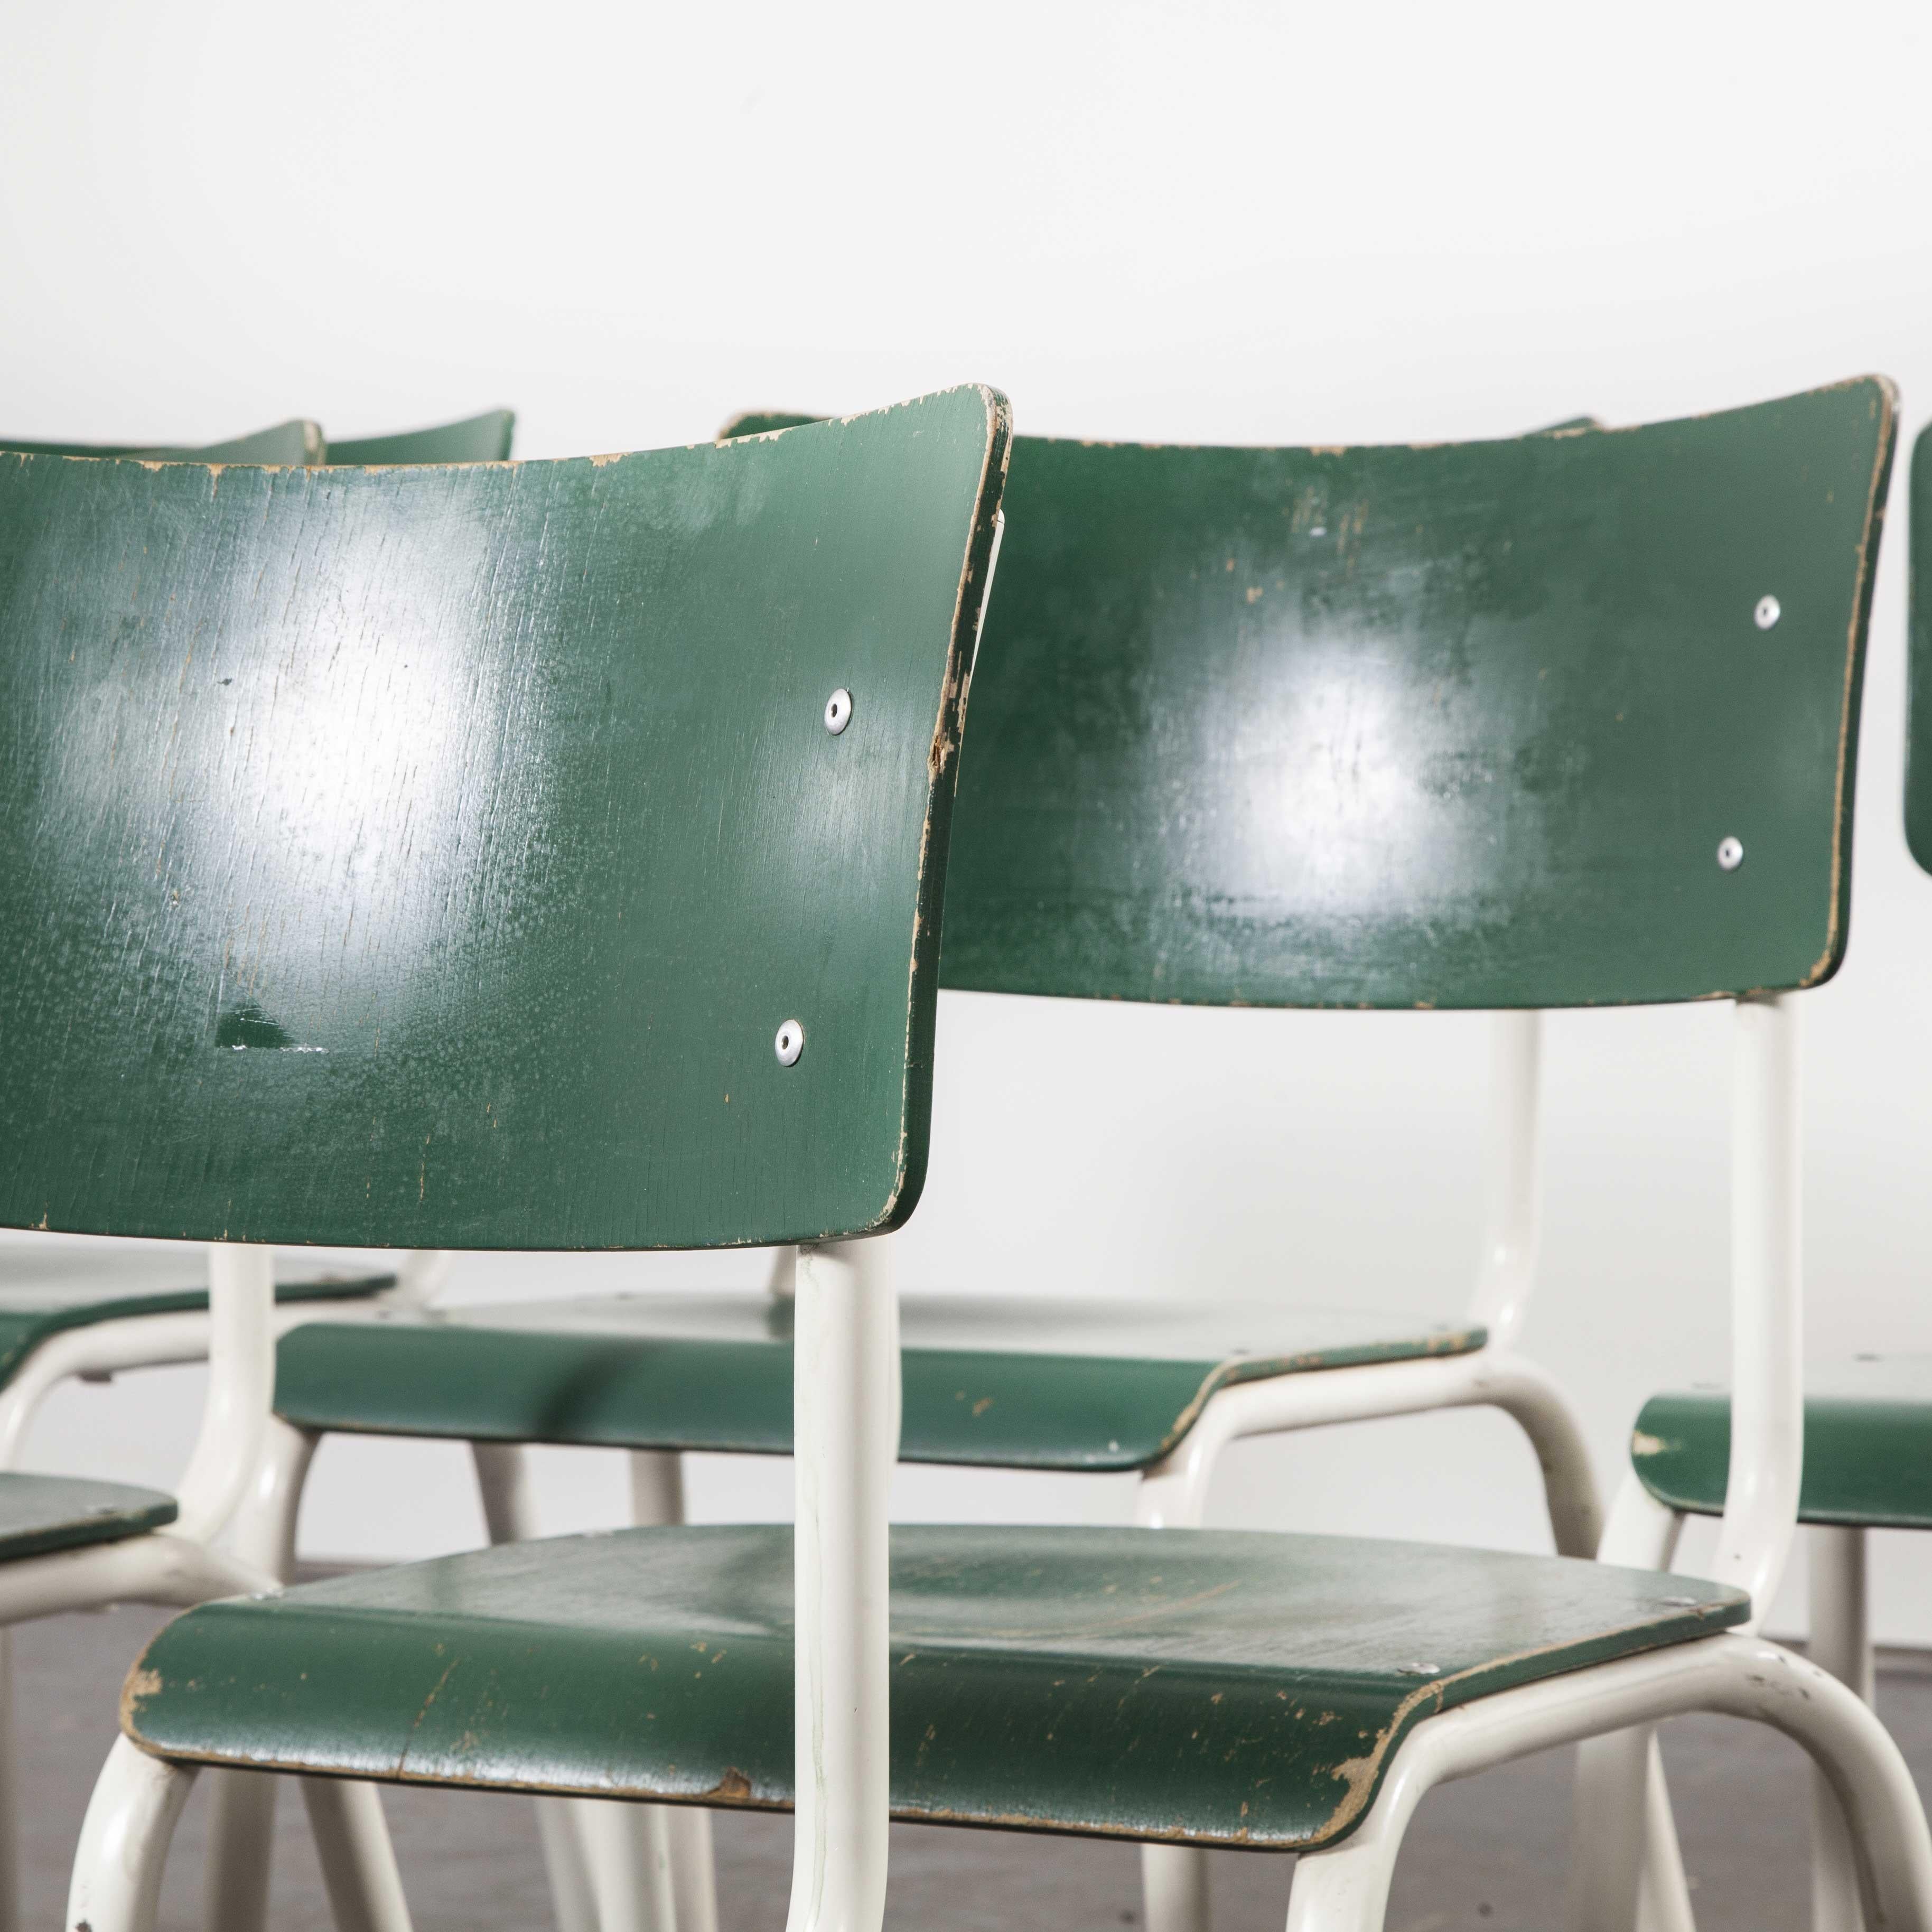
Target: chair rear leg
(1174,1888)
(509,1515)
(359,1863)
(1841,1643)
(130,1820)
(241,1816)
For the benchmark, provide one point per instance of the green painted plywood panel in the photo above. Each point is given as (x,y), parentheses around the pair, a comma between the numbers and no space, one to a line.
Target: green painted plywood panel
(1450,725)
(1867,1445)
(1244,1690)
(1918,707)
(1033,1382)
(427,856)
(484,439)
(41,1513)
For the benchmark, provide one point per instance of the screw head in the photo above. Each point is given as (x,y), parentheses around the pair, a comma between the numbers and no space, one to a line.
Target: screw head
(790,1043)
(838,711)
(1730,853)
(1768,612)
(1418,1670)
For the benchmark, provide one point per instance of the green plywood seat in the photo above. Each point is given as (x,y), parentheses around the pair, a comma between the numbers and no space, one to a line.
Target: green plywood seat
(49,1287)
(1236,1689)
(1021,1382)
(40,1513)
(1867,1445)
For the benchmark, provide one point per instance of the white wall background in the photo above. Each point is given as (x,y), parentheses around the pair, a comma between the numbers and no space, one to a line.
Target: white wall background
(1201,222)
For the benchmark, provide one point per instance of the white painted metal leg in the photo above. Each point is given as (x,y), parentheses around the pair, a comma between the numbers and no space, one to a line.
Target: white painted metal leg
(657,1496)
(241,1819)
(10,1816)
(1767,1305)
(1513,1178)
(1622,1872)
(627,1850)
(359,1863)
(241,1388)
(1174,1893)
(846,1424)
(510,1516)
(1841,1643)
(1663,1892)
(1174,1879)
(124,1842)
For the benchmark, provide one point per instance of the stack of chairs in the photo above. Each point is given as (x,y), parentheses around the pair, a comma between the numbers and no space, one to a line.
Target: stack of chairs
(627,931)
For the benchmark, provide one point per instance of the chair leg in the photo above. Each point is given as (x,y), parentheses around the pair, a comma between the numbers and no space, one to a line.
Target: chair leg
(657,1496)
(130,1818)
(628,1849)
(10,1821)
(1174,1888)
(359,1863)
(510,1516)
(1623,1873)
(1663,1893)
(242,1814)
(240,1849)
(1841,1643)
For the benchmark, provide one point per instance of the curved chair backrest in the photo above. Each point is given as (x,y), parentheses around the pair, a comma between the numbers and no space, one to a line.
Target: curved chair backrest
(428,857)
(1485,725)
(1918,666)
(297,441)
(484,439)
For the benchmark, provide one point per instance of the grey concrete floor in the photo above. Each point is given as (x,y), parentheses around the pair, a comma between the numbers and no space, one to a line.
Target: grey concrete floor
(1488,1853)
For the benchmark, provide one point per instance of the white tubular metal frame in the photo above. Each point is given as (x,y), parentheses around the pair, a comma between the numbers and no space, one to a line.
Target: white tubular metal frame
(241,1817)
(124,1842)
(1767,1305)
(1841,1643)
(1626,1855)
(846,1433)
(1513,1177)
(1346,1889)
(241,1389)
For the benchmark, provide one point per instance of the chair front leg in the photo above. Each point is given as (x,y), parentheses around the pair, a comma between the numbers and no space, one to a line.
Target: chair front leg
(359,1863)
(130,1820)
(1841,1643)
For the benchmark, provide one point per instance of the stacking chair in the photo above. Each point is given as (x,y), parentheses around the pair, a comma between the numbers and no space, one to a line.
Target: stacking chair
(1067,879)
(689,887)
(1867,1443)
(578,927)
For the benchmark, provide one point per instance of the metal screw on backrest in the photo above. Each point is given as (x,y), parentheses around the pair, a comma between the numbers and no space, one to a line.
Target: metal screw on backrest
(1730,853)
(838,711)
(790,1043)
(1768,612)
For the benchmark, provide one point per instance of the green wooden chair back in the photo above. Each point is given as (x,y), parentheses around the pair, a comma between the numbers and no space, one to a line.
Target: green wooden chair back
(484,439)
(1462,725)
(1919,664)
(297,441)
(428,857)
